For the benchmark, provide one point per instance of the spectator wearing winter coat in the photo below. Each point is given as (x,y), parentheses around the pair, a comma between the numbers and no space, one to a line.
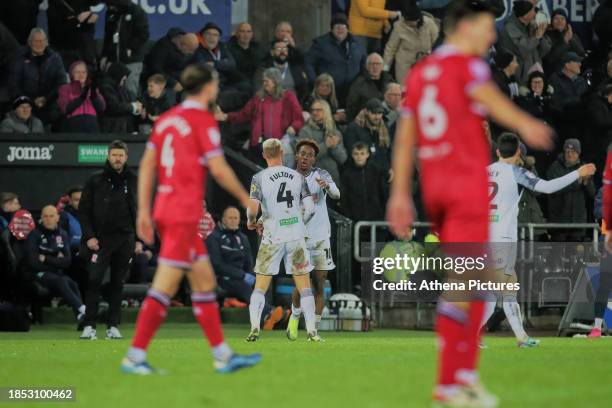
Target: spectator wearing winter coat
(538,99)
(412,38)
(599,123)
(569,86)
(80,101)
(247,53)
(370,84)
(562,39)
(284,32)
(369,128)
(48,254)
(364,187)
(37,72)
(325,88)
(391,105)
(293,74)
(273,112)
(126,31)
(72,26)
(524,40)
(504,68)
(322,129)
(569,204)
(367,19)
(156,101)
(121,108)
(169,56)
(338,54)
(9,205)
(20,17)
(20,119)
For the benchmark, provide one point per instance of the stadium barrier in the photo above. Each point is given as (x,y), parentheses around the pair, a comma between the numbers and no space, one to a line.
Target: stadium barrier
(544,286)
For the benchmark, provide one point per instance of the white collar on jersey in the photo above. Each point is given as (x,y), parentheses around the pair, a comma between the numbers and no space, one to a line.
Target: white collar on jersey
(191,104)
(446,50)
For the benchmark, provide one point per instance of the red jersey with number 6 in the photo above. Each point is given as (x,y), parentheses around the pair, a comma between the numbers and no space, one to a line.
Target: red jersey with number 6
(453,151)
(184,138)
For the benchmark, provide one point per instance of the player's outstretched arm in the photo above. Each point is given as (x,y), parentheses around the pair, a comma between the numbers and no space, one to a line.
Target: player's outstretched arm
(400,209)
(535,133)
(146,183)
(554,185)
(225,176)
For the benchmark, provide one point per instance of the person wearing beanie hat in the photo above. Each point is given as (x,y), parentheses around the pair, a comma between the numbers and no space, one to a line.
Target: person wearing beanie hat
(412,39)
(338,18)
(504,69)
(569,204)
(562,40)
(523,38)
(20,119)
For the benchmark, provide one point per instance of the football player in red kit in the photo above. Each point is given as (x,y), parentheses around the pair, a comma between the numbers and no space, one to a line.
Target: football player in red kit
(605,266)
(184,147)
(448,97)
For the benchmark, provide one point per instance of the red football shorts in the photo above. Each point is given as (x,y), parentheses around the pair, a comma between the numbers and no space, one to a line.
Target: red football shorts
(181,245)
(460,216)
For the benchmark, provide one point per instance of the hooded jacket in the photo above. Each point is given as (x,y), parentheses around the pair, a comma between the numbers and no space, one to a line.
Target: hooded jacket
(130,24)
(165,58)
(12,124)
(118,117)
(365,192)
(75,100)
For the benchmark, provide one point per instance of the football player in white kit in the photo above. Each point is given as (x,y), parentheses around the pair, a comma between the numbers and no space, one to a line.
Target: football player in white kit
(321,185)
(279,191)
(507,182)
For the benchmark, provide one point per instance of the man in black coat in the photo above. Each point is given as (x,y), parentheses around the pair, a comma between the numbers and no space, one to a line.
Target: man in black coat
(121,108)
(107,213)
(126,31)
(370,84)
(37,72)
(169,56)
(247,53)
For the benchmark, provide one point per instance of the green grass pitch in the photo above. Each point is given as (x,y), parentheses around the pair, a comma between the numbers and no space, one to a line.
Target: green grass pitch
(383,368)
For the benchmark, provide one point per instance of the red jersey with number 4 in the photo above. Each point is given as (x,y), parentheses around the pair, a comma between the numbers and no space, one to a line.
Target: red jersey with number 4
(453,151)
(184,138)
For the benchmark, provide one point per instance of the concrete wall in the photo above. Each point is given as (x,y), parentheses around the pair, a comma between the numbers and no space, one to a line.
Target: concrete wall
(310,18)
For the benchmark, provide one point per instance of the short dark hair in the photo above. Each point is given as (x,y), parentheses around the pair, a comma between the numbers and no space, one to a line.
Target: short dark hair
(195,77)
(464,10)
(507,144)
(276,41)
(158,79)
(307,142)
(118,144)
(74,189)
(7,196)
(360,146)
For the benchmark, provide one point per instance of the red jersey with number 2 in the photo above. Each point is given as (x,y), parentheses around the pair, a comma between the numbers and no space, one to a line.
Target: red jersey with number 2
(184,138)
(453,151)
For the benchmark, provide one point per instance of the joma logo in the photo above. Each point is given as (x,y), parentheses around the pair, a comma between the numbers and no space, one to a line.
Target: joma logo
(30,153)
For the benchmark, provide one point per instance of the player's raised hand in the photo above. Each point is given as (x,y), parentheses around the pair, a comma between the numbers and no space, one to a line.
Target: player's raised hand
(586,170)
(400,214)
(322,183)
(144,228)
(537,134)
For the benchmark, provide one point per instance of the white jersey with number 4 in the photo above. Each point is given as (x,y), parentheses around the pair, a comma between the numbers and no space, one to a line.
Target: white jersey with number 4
(280,191)
(506,185)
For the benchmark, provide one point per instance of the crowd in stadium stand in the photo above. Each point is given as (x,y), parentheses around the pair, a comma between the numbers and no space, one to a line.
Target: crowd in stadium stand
(344,90)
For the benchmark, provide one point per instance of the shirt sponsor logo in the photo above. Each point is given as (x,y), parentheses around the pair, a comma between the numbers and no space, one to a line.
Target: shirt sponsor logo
(288,221)
(36,153)
(493,218)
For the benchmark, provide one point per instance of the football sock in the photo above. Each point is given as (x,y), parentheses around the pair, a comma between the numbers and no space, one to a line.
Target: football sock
(308,306)
(150,317)
(206,312)
(488,311)
(256,305)
(296,312)
(450,322)
(598,323)
(513,314)
(317,321)
(471,335)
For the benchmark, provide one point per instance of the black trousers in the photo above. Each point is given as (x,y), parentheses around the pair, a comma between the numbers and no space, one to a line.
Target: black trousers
(605,284)
(62,285)
(116,251)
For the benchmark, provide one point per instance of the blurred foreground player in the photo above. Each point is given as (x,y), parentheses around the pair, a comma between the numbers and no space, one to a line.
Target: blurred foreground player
(184,146)
(449,93)
(605,268)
